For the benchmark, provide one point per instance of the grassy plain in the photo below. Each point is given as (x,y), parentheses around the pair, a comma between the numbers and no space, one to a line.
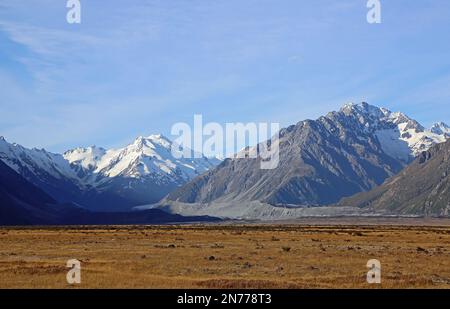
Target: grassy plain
(301,255)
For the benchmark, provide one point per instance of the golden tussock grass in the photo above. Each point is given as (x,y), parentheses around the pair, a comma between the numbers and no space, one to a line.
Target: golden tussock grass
(220,256)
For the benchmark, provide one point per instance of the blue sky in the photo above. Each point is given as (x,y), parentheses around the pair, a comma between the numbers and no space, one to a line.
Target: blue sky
(137,67)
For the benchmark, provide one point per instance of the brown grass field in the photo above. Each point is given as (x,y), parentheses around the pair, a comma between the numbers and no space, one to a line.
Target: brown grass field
(326,254)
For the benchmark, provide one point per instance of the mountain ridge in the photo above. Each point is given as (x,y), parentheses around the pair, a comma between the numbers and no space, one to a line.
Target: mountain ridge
(104,180)
(22,203)
(421,188)
(321,161)
(345,152)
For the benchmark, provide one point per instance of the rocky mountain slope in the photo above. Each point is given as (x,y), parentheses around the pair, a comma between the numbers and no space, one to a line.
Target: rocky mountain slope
(48,171)
(22,203)
(142,172)
(104,180)
(423,188)
(321,161)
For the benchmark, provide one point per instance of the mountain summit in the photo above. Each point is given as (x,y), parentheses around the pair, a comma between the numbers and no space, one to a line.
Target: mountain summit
(345,152)
(441,128)
(321,161)
(116,179)
(143,172)
(145,156)
(400,136)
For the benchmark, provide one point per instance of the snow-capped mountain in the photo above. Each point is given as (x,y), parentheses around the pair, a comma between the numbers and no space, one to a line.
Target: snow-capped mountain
(22,203)
(46,170)
(144,171)
(400,136)
(54,175)
(145,157)
(85,158)
(321,161)
(35,161)
(140,173)
(441,129)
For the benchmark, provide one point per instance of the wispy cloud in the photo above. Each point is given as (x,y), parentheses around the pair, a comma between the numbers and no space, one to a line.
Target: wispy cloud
(47,42)
(147,64)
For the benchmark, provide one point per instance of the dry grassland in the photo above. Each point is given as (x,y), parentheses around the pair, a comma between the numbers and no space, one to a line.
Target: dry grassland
(226,256)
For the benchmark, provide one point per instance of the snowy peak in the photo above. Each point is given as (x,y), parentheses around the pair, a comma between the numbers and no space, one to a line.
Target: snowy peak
(440,128)
(35,161)
(145,157)
(364,109)
(400,136)
(85,157)
(160,140)
(378,117)
(152,145)
(141,173)
(406,122)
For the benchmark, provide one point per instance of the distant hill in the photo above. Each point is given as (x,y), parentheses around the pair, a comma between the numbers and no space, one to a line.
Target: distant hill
(423,188)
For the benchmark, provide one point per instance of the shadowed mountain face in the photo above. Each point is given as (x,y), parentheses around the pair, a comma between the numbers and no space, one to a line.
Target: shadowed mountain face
(142,172)
(321,161)
(423,188)
(106,180)
(22,203)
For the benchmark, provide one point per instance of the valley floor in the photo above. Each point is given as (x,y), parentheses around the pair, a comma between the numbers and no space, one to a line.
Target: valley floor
(319,254)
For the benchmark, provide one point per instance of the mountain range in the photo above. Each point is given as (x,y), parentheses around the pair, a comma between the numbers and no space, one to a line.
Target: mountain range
(22,203)
(324,166)
(321,161)
(106,180)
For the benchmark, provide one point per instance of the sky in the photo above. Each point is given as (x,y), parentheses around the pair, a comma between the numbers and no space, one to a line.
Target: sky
(134,68)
